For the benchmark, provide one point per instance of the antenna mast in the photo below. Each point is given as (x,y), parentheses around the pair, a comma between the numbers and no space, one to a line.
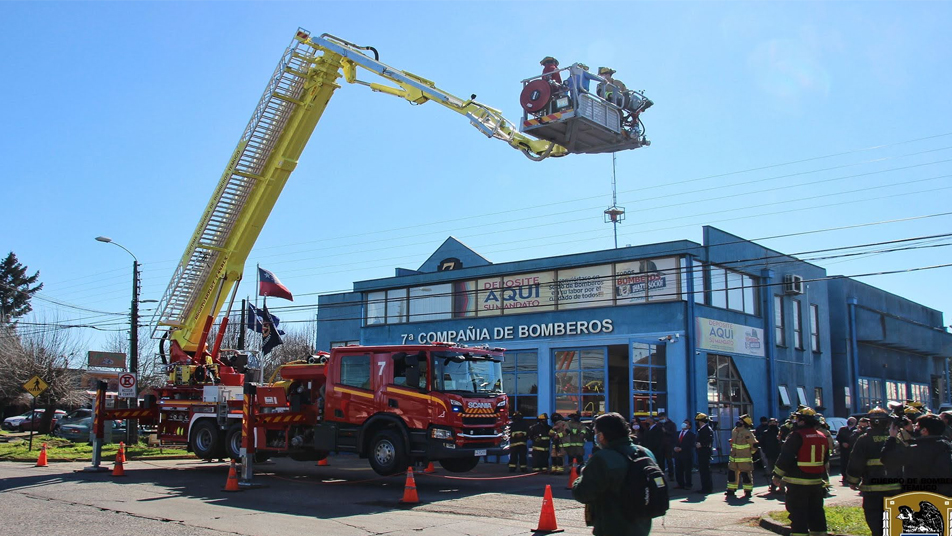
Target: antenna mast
(614,214)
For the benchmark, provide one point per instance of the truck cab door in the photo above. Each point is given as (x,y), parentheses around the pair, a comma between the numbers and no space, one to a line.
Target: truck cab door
(407,393)
(350,398)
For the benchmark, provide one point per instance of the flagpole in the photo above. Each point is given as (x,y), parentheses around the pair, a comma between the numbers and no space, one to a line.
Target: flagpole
(265,318)
(257,282)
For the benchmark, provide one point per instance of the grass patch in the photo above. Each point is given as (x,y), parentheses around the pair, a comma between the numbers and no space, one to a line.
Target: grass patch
(63,450)
(839,520)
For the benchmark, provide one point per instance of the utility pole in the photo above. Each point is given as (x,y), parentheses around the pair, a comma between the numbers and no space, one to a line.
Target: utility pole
(614,214)
(132,428)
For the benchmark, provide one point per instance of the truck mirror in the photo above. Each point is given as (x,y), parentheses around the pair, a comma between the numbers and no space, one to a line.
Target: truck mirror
(412,361)
(399,356)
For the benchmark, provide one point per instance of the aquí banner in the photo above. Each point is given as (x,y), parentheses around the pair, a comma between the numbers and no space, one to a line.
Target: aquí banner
(719,336)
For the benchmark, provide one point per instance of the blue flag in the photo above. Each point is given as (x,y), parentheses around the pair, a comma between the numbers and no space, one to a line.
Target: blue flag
(270,336)
(256,320)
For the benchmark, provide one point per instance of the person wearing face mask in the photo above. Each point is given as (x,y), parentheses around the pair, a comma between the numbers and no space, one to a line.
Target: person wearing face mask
(684,449)
(637,430)
(705,449)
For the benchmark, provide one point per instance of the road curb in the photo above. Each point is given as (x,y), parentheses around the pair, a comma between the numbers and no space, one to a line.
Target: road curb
(784,530)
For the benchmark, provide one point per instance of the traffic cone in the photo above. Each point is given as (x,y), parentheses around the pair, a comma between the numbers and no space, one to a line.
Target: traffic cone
(547,522)
(232,483)
(122,452)
(323,462)
(409,490)
(430,468)
(573,475)
(118,470)
(41,461)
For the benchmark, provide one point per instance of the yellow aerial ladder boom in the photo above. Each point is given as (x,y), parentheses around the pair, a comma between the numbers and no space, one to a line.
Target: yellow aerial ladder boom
(267,153)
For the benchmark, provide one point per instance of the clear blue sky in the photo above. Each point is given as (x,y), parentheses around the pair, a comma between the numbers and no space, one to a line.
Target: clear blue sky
(770,118)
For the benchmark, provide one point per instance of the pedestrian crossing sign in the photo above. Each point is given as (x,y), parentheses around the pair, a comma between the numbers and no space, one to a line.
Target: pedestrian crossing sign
(35,386)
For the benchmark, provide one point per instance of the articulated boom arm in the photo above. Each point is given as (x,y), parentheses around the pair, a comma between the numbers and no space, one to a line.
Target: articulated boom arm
(267,153)
(418,90)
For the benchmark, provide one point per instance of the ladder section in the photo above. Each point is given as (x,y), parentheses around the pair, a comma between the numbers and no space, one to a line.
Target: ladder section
(193,281)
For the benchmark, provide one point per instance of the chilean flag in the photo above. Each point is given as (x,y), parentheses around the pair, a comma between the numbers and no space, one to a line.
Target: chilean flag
(268,285)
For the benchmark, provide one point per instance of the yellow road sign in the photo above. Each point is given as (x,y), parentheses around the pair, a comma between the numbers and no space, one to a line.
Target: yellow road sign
(35,386)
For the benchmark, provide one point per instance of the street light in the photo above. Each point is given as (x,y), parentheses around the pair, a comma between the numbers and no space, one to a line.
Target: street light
(131,430)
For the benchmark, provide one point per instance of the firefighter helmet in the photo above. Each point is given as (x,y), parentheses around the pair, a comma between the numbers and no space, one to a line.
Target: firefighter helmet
(605,70)
(807,414)
(556,417)
(746,420)
(543,416)
(701,417)
(517,415)
(877,416)
(549,59)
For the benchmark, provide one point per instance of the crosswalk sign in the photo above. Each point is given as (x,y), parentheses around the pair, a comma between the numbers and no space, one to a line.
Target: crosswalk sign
(35,386)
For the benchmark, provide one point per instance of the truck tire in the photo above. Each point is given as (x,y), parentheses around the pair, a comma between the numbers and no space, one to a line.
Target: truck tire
(233,442)
(207,441)
(388,455)
(459,465)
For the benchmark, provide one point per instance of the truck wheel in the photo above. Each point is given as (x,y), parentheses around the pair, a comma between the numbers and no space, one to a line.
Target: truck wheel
(387,453)
(459,465)
(233,442)
(207,441)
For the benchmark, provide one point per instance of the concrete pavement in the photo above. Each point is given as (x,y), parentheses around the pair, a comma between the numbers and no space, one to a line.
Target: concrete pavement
(345,498)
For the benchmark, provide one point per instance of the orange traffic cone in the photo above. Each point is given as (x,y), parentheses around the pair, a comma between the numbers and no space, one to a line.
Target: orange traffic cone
(232,483)
(118,470)
(430,468)
(122,452)
(409,490)
(41,461)
(573,476)
(547,522)
(323,462)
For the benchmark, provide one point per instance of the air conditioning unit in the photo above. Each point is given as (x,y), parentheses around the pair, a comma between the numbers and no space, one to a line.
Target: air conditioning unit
(792,284)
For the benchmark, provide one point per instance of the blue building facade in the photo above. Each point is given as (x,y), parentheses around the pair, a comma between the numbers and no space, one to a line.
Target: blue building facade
(726,327)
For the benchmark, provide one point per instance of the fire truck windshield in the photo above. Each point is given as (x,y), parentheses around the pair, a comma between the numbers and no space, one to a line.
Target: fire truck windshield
(466,373)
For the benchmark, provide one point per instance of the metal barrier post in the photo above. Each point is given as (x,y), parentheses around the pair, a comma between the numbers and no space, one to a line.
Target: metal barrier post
(99,408)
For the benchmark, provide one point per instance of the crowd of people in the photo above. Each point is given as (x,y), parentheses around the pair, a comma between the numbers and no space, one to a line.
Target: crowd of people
(882,454)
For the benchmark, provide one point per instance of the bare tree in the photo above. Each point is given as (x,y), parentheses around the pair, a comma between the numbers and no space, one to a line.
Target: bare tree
(45,352)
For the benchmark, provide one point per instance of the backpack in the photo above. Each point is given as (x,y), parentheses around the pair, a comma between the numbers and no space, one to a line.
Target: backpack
(645,489)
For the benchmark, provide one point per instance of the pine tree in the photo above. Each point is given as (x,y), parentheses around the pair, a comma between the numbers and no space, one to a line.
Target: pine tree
(15,289)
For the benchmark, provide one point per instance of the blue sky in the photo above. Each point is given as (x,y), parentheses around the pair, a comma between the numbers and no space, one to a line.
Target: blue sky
(769,119)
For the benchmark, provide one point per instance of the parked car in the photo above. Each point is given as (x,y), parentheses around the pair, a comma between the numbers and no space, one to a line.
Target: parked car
(835,424)
(12,423)
(79,430)
(33,422)
(72,417)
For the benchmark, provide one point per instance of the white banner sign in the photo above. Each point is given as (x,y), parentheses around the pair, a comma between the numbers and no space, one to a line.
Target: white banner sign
(731,338)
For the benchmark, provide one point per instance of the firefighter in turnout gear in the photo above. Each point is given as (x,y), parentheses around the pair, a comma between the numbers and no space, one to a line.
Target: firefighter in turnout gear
(518,444)
(539,434)
(559,434)
(824,429)
(801,467)
(867,473)
(741,461)
(575,439)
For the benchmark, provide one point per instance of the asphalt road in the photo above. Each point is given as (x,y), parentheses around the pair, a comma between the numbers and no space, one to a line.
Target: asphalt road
(185,497)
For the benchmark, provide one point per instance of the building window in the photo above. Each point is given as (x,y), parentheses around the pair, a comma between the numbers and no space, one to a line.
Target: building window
(784,396)
(919,392)
(699,287)
(520,379)
(339,344)
(397,306)
(727,396)
(797,325)
(847,399)
(779,330)
(649,378)
(802,396)
(869,394)
(580,381)
(355,371)
(431,302)
(376,308)
(895,391)
(814,327)
(818,397)
(733,290)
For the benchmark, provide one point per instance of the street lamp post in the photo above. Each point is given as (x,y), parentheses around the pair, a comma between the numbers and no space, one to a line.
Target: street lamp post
(132,436)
